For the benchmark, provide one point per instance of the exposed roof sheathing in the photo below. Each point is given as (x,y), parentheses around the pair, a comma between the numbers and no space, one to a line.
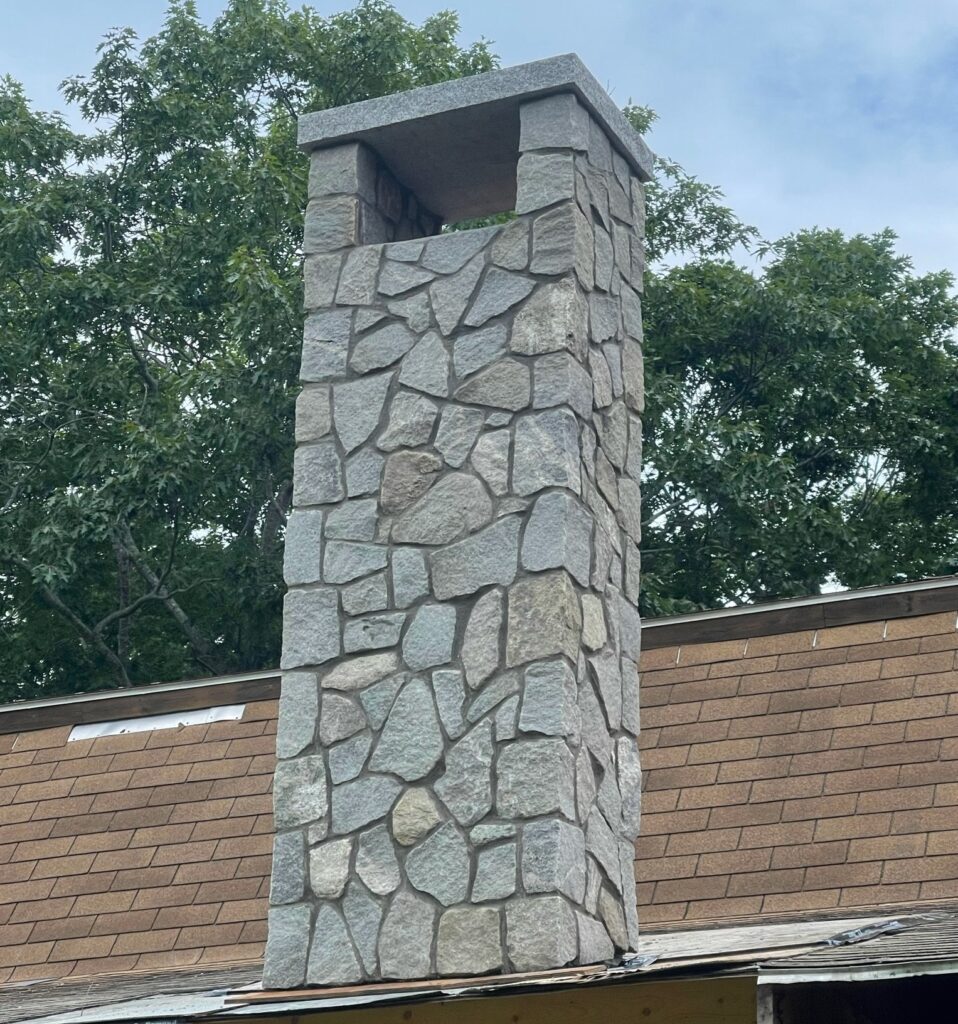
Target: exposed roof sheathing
(799,772)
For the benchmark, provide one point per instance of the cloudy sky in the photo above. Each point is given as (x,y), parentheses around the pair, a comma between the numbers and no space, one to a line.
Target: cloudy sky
(837,113)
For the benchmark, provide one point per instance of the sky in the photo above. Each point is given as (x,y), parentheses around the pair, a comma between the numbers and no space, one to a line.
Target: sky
(829,113)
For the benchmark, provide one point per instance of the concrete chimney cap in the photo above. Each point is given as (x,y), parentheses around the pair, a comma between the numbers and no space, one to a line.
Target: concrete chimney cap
(456,144)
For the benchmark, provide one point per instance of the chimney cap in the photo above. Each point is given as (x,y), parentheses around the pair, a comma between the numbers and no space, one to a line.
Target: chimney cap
(456,144)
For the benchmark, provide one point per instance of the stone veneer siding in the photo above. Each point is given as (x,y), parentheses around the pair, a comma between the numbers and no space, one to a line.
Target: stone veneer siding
(458,783)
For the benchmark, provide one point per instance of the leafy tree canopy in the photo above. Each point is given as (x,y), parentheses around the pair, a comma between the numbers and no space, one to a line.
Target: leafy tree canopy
(802,423)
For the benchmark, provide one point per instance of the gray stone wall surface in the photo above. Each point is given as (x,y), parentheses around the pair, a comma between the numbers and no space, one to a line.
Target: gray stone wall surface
(457,790)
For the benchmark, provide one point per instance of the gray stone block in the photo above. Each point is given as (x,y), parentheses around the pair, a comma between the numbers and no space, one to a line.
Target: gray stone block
(364,914)
(411,741)
(468,941)
(313,414)
(358,803)
(411,418)
(490,459)
(381,347)
(595,946)
(439,865)
(298,710)
(535,777)
(397,278)
(429,639)
(553,122)
(594,633)
(544,179)
(347,759)
(560,380)
(492,694)
(414,816)
(481,640)
(345,560)
(601,843)
(630,696)
(376,862)
(299,792)
(446,254)
(559,535)
(426,367)
(551,321)
(288,874)
(495,872)
(356,673)
(487,557)
(544,619)
(310,627)
(405,941)
(500,290)
(373,632)
(633,375)
(340,718)
(363,473)
(503,385)
(329,867)
(302,556)
(357,282)
(317,474)
(332,960)
(354,520)
(549,700)
(320,277)
(629,776)
(511,248)
(456,505)
(415,310)
(357,407)
(608,677)
(410,576)
(546,452)
(451,295)
(611,913)
(289,928)
(346,169)
(331,224)
(540,933)
(450,693)
(472,351)
(458,430)
(466,786)
(553,858)
(408,475)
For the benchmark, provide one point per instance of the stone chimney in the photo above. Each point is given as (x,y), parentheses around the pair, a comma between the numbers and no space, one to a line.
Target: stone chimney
(457,791)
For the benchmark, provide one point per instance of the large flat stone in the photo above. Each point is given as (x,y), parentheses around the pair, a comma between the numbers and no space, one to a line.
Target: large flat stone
(481,640)
(456,505)
(405,940)
(546,452)
(558,535)
(540,933)
(318,474)
(487,557)
(357,406)
(426,367)
(500,290)
(502,385)
(310,627)
(329,868)
(356,673)
(376,862)
(429,639)
(466,786)
(553,858)
(411,418)
(439,865)
(363,801)
(535,777)
(381,347)
(288,943)
(468,941)
(408,475)
(411,742)
(544,619)
(549,700)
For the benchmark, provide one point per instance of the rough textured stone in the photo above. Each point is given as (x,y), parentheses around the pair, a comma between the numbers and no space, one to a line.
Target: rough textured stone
(411,741)
(344,561)
(472,351)
(535,777)
(500,290)
(554,240)
(546,452)
(426,367)
(353,520)
(358,673)
(553,122)
(456,505)
(487,557)
(408,475)
(405,941)
(411,418)
(376,862)
(468,941)
(549,700)
(629,775)
(329,867)
(302,561)
(339,719)
(381,347)
(363,473)
(378,699)
(298,710)
(492,694)
(558,535)
(490,459)
(594,634)
(610,910)
(320,276)
(347,759)
(448,253)
(466,786)
(313,414)
(414,816)
(357,406)
(505,719)
(544,619)
(439,865)
(429,638)
(299,791)
(458,430)
(331,223)
(310,627)
(553,858)
(601,843)
(544,179)
(410,576)
(288,877)
(605,668)
(595,946)
(368,595)
(551,321)
(511,248)
(285,965)
(504,385)
(364,915)
(630,696)
(480,644)
(560,380)
(495,872)
(318,474)
(492,832)
(365,800)
(450,693)
(602,394)
(415,310)
(357,283)
(397,278)
(451,295)
(540,933)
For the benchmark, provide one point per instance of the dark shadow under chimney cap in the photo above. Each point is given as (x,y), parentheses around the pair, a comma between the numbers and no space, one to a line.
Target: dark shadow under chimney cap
(456,144)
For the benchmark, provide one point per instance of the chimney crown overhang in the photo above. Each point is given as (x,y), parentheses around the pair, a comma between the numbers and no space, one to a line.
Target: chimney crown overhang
(456,144)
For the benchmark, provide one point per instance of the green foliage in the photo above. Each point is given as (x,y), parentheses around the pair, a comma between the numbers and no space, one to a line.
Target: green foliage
(802,422)
(150,330)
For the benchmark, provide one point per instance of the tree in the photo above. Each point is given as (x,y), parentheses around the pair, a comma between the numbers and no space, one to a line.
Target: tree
(150,320)
(801,423)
